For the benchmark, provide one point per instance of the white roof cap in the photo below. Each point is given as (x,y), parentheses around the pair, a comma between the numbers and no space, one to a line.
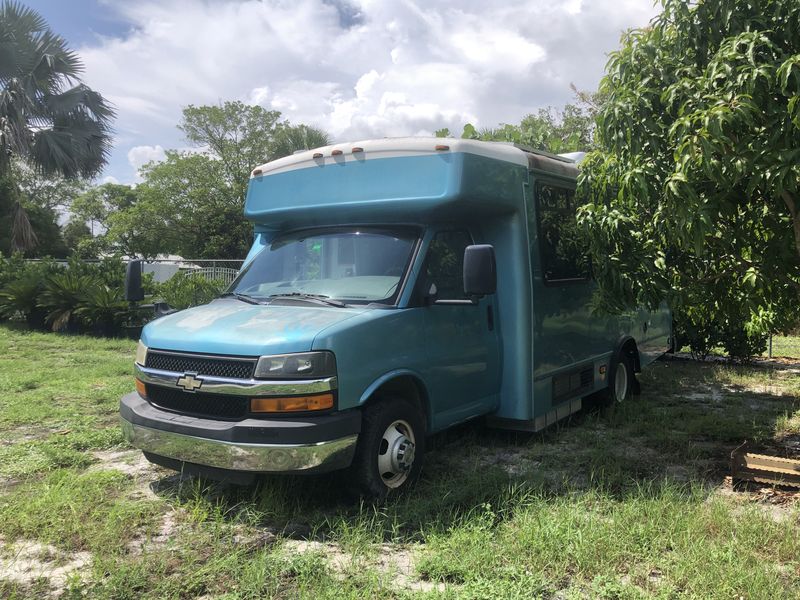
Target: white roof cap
(391,148)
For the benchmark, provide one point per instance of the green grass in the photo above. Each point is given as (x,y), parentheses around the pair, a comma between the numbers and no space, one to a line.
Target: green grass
(625,501)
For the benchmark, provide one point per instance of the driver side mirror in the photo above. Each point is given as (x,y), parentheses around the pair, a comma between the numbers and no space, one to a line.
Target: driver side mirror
(480,270)
(134,292)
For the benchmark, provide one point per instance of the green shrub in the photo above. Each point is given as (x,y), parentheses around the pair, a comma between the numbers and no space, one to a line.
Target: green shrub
(103,309)
(185,289)
(61,296)
(11,268)
(701,335)
(19,296)
(80,296)
(743,341)
(741,337)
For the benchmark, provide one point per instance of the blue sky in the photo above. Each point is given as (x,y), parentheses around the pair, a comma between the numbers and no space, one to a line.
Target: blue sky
(357,68)
(81,21)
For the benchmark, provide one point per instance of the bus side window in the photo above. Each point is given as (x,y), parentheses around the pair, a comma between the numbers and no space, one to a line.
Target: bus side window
(562,252)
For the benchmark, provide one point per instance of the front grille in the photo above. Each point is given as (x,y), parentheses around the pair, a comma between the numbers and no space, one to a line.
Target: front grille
(186,363)
(198,404)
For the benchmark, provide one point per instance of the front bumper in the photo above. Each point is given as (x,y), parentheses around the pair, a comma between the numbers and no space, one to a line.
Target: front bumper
(311,444)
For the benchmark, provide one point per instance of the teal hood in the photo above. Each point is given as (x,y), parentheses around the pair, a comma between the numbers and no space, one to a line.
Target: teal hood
(230,326)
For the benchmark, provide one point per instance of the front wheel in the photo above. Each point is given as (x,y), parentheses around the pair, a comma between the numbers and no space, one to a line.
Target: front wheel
(390,448)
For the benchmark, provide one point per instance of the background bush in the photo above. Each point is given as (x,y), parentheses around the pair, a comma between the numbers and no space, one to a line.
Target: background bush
(89,296)
(185,289)
(76,297)
(741,338)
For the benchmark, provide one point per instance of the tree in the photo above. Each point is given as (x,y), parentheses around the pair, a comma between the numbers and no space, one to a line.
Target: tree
(238,135)
(570,129)
(694,193)
(184,207)
(191,203)
(97,204)
(52,192)
(47,117)
(76,234)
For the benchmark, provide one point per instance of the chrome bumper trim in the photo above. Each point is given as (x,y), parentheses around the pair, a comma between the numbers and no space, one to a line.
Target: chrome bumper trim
(239,387)
(262,458)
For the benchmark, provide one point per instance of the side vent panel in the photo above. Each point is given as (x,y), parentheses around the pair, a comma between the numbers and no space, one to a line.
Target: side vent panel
(572,383)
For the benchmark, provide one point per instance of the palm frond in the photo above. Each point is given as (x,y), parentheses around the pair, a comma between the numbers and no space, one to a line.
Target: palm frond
(23,237)
(290,138)
(47,116)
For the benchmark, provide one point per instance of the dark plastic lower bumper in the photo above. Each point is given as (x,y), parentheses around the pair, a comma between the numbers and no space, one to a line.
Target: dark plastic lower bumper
(318,443)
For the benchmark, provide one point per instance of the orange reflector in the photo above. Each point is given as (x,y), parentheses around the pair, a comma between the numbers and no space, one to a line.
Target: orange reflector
(256,172)
(336,153)
(141,388)
(357,149)
(442,147)
(294,404)
(317,154)
(602,369)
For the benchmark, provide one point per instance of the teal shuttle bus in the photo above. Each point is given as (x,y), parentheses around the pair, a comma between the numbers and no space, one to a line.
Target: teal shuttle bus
(394,288)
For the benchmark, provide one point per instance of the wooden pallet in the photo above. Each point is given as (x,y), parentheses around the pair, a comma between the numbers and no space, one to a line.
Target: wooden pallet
(763,468)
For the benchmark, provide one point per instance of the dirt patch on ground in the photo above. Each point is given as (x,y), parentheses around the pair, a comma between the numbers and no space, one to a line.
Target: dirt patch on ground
(130,462)
(27,562)
(394,562)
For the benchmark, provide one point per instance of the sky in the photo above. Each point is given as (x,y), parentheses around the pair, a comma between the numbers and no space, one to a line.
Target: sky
(356,68)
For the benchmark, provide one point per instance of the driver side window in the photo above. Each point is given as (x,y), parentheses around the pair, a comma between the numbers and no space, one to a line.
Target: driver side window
(444,266)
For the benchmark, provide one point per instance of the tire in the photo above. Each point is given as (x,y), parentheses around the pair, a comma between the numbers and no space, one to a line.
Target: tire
(390,449)
(621,380)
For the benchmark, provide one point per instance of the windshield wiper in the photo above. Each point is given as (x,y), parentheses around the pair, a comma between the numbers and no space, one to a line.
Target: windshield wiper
(242,297)
(319,298)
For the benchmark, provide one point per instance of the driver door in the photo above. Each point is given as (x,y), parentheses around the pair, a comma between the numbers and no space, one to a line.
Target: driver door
(461,342)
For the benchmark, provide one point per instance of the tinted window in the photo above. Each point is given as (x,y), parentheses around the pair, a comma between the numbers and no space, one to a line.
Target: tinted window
(562,251)
(445,264)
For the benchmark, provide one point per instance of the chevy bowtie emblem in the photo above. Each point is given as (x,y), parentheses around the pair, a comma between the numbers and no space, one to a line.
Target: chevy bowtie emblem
(190,382)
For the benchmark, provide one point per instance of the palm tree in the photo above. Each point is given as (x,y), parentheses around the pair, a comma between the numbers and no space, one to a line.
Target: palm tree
(48,118)
(290,138)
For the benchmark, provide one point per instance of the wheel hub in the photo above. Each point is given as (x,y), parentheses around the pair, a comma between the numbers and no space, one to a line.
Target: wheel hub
(396,453)
(402,454)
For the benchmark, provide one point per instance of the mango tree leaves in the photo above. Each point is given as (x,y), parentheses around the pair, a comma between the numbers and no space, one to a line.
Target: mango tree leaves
(694,190)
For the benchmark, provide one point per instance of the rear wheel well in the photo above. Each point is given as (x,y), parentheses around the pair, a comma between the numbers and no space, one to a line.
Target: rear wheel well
(630,348)
(407,387)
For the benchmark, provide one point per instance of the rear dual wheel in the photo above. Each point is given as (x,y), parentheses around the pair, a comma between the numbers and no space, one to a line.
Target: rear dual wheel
(390,448)
(621,381)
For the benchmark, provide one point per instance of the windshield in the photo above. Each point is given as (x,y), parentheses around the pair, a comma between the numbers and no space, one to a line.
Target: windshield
(354,266)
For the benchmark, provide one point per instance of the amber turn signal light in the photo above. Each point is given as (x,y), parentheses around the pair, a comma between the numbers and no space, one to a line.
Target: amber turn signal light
(141,388)
(293,404)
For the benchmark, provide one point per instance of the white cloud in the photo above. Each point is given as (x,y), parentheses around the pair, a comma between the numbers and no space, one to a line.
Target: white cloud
(138,156)
(356,68)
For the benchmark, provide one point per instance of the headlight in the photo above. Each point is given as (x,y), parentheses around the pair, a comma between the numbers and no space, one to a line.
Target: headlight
(303,365)
(141,353)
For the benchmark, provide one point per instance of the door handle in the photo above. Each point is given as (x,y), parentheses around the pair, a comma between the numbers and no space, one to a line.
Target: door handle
(490,317)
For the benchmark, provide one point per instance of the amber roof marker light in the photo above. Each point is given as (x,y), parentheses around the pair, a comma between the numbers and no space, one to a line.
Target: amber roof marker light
(441,147)
(357,149)
(257,172)
(337,153)
(317,155)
